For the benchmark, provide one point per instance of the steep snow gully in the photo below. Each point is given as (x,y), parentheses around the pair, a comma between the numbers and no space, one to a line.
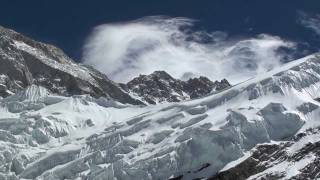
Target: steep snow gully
(48,136)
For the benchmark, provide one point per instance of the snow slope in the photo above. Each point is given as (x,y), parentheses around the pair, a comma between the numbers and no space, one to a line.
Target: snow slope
(46,136)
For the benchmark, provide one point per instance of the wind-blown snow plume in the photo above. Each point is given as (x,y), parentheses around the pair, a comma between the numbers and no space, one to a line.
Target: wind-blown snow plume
(309,21)
(125,50)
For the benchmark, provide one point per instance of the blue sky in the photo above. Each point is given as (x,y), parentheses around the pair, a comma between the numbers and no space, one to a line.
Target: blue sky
(68,24)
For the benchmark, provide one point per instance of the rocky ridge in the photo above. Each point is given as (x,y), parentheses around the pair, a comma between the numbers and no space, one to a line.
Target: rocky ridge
(24,61)
(298,158)
(161,87)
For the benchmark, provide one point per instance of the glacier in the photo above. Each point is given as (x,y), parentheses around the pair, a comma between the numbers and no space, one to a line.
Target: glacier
(44,135)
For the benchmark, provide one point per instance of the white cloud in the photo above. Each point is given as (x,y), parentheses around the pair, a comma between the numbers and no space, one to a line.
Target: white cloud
(309,21)
(125,50)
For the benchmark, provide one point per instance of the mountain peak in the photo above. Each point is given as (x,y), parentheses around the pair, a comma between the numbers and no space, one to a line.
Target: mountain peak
(162,75)
(24,62)
(159,87)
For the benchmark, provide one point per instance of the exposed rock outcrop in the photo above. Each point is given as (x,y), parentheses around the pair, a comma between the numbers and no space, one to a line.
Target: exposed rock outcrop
(295,159)
(161,87)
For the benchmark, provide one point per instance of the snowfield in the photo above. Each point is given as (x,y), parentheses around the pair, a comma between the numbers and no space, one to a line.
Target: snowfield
(46,136)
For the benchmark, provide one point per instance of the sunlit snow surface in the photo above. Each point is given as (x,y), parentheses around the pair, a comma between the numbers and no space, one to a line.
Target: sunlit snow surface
(46,136)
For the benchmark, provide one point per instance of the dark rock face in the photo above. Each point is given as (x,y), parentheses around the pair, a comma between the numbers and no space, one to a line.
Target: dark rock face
(198,87)
(267,156)
(251,165)
(24,61)
(156,87)
(160,86)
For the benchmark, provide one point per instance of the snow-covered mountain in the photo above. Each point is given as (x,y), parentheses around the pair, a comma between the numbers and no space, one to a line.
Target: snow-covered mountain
(161,87)
(264,128)
(24,61)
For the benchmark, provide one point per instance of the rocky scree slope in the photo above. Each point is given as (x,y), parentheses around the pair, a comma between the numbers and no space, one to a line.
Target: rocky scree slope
(161,87)
(24,61)
(44,135)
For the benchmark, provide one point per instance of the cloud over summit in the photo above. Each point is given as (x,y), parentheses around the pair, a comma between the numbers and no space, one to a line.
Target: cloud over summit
(125,50)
